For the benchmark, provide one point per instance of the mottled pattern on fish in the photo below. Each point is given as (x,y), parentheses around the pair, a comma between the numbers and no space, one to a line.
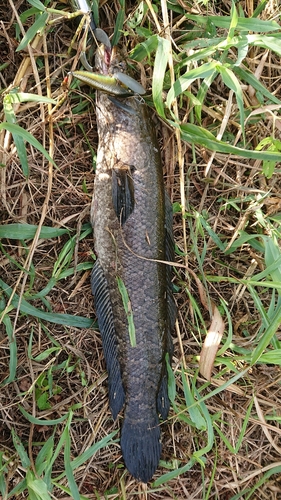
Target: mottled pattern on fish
(132,218)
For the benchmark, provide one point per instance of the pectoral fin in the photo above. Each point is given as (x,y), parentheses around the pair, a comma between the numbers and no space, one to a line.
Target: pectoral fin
(123,192)
(109,341)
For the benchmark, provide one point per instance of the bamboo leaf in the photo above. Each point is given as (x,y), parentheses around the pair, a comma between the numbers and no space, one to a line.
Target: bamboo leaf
(24,231)
(16,129)
(243,24)
(37,4)
(194,134)
(186,80)
(230,80)
(18,97)
(39,24)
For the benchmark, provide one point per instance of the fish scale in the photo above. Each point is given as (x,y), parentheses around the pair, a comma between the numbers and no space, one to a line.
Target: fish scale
(132,222)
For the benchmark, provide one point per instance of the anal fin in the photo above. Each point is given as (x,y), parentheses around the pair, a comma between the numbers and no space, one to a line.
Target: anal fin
(109,340)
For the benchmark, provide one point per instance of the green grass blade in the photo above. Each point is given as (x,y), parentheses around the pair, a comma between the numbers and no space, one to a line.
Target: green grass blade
(192,405)
(263,480)
(161,59)
(60,319)
(20,450)
(90,452)
(44,455)
(175,473)
(272,256)
(68,470)
(39,421)
(267,336)
(171,381)
(12,346)
(118,27)
(250,78)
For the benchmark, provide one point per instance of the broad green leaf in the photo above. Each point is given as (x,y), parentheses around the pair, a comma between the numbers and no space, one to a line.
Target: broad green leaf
(233,21)
(144,49)
(161,59)
(37,487)
(267,42)
(39,24)
(271,357)
(24,231)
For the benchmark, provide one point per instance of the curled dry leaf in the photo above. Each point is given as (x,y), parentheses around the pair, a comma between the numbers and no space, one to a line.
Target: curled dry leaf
(211,344)
(214,334)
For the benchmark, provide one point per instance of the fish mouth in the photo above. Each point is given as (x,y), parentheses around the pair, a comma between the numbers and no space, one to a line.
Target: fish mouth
(108,60)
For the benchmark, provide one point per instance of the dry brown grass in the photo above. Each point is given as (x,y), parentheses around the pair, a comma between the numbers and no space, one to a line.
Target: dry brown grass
(55,196)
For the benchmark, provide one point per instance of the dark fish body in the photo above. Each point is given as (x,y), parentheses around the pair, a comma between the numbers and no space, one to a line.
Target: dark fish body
(132,222)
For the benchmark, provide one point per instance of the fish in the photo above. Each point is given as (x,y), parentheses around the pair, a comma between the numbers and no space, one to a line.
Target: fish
(132,217)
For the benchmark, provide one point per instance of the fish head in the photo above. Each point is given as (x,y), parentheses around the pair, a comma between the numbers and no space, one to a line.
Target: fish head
(109,60)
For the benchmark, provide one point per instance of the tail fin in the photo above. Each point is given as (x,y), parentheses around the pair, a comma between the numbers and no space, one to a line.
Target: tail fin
(141,447)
